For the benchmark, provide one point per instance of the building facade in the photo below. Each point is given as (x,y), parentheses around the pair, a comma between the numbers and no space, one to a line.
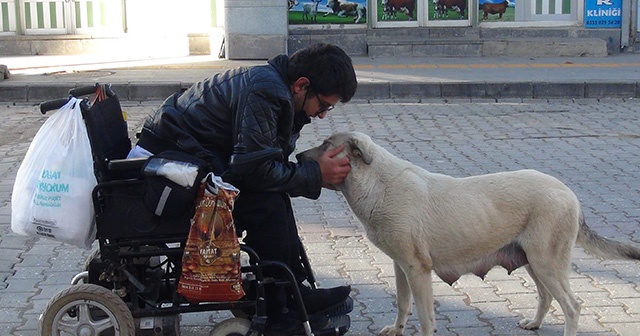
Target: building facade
(132,27)
(258,29)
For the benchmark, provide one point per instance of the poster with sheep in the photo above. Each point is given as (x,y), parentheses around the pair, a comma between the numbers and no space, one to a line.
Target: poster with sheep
(327,12)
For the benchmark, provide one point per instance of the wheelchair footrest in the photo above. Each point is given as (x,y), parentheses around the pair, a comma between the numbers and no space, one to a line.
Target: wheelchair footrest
(341,309)
(337,326)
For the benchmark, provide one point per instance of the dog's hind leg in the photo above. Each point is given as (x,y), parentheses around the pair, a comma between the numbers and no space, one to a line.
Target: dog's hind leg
(551,268)
(544,303)
(558,286)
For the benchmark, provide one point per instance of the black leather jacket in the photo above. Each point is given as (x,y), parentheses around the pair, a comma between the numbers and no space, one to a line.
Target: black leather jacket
(202,121)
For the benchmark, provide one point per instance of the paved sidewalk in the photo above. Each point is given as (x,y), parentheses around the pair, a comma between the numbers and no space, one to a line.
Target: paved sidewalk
(37,78)
(593,146)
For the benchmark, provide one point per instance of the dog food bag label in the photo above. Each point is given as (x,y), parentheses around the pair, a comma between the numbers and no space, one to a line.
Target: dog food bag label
(211,259)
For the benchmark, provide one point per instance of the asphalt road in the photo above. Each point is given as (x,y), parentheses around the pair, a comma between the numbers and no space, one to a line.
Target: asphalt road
(593,146)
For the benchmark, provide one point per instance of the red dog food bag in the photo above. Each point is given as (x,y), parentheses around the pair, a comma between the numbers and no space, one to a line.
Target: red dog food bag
(211,258)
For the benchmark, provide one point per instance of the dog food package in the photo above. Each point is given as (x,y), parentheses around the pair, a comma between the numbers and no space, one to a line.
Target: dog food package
(211,259)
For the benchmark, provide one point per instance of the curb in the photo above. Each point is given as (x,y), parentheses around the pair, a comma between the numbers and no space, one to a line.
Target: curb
(143,91)
(497,90)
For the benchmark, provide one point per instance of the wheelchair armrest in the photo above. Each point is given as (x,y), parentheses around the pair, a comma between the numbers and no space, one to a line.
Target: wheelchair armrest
(127,164)
(243,163)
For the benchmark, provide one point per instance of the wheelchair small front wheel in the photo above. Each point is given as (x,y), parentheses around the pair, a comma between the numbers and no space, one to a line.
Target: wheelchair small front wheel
(232,327)
(86,309)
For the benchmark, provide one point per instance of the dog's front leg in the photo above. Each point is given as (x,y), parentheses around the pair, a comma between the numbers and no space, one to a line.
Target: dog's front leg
(404,303)
(422,289)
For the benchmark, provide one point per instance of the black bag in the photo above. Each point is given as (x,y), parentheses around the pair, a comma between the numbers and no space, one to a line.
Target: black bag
(171,182)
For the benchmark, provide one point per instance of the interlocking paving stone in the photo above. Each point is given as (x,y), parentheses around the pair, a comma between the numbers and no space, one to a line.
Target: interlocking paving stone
(592,145)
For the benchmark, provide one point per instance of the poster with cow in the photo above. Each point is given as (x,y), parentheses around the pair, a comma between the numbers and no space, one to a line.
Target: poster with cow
(327,12)
(397,10)
(448,10)
(497,10)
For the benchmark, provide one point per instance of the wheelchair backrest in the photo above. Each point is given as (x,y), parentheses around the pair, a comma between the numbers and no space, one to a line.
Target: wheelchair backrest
(108,135)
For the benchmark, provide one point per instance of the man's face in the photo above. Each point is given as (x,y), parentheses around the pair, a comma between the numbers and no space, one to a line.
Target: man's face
(317,105)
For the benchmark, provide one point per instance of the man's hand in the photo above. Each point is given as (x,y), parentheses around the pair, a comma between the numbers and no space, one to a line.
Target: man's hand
(334,169)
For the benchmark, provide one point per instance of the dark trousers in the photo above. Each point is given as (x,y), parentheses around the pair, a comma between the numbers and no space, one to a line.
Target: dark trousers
(271,230)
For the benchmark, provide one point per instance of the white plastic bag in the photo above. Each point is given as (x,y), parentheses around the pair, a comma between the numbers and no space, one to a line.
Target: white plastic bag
(52,192)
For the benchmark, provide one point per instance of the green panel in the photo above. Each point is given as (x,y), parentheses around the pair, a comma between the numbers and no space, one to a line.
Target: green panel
(552,6)
(40,11)
(53,14)
(538,6)
(214,13)
(566,6)
(103,17)
(27,15)
(5,17)
(78,21)
(90,14)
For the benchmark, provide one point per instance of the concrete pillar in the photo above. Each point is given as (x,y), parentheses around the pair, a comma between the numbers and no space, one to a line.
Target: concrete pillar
(625,26)
(255,29)
(4,72)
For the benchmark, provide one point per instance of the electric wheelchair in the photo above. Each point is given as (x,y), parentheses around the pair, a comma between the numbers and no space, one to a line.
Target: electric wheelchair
(129,284)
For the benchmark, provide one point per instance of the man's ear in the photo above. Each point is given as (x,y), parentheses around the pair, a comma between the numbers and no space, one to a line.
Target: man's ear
(357,150)
(301,84)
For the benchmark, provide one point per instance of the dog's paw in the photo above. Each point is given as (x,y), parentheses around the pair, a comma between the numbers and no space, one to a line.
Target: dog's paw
(391,330)
(529,324)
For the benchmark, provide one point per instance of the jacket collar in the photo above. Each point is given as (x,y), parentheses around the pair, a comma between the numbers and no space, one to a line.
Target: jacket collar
(281,64)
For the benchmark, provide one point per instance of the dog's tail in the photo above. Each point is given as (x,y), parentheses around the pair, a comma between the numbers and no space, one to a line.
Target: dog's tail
(602,247)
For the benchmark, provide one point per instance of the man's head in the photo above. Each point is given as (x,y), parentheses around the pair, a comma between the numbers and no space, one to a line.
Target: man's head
(328,71)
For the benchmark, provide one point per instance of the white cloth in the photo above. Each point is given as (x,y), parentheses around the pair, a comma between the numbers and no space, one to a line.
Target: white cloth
(138,152)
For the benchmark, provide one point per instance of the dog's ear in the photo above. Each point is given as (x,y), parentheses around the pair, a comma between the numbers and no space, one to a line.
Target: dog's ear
(357,150)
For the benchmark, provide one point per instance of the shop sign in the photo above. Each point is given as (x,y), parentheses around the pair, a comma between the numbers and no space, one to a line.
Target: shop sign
(603,14)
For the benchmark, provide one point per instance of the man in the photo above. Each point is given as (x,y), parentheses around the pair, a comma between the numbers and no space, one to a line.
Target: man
(264,107)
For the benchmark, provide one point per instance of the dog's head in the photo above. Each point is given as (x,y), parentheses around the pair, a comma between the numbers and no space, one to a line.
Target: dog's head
(356,147)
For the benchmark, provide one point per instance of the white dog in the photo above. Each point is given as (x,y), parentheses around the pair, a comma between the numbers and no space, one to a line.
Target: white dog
(431,222)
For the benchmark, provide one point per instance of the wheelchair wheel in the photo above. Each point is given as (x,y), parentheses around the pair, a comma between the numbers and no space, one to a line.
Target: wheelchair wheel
(232,327)
(86,309)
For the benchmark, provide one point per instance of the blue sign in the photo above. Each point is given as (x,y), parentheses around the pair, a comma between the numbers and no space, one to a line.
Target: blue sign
(603,14)
(512,3)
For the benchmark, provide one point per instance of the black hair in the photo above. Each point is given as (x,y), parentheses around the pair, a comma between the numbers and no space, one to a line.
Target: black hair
(328,68)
